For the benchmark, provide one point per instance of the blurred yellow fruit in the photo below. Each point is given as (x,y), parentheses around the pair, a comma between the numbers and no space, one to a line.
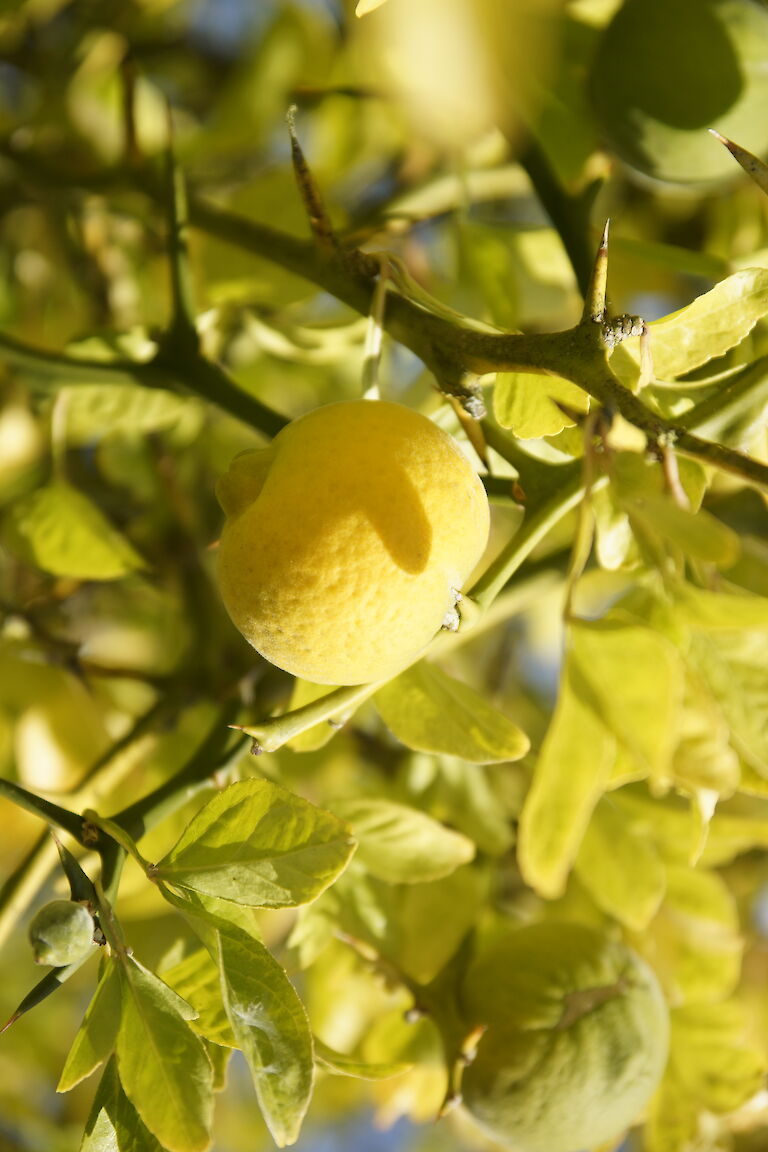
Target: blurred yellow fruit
(576,1042)
(347,540)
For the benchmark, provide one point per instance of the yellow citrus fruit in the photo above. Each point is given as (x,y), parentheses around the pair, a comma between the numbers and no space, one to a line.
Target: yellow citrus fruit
(576,1041)
(347,540)
(666,70)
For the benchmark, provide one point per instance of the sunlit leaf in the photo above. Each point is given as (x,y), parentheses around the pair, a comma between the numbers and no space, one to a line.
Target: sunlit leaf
(343,1065)
(527,403)
(271,1026)
(635,678)
(620,869)
(572,771)
(714,611)
(96,1036)
(733,664)
(432,712)
(401,844)
(196,979)
(114,1125)
(699,535)
(465,793)
(713,1067)
(61,531)
(703,757)
(694,942)
(704,329)
(209,912)
(255,843)
(163,1066)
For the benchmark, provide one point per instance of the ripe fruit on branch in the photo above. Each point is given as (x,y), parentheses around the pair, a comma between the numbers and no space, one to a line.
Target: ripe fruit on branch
(576,1041)
(348,539)
(666,70)
(61,932)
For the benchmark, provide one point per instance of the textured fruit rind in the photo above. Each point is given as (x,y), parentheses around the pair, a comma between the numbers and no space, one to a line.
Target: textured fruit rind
(61,932)
(576,1041)
(363,526)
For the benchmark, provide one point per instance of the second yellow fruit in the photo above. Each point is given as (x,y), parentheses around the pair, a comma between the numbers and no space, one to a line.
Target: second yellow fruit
(348,539)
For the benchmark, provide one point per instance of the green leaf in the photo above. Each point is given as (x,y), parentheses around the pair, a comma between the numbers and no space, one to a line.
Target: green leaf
(342,1065)
(703,757)
(196,979)
(424,924)
(713,1067)
(694,942)
(697,534)
(715,1062)
(572,771)
(526,403)
(734,666)
(163,1065)
(634,677)
(739,825)
(96,1036)
(257,844)
(716,611)
(707,328)
(114,1125)
(620,869)
(61,531)
(466,796)
(271,1026)
(210,912)
(431,712)
(96,410)
(402,845)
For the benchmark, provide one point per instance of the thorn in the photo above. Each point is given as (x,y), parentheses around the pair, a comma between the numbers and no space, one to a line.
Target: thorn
(752,165)
(595,300)
(11,1020)
(319,221)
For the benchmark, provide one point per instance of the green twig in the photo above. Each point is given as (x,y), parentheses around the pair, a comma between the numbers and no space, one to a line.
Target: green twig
(181,333)
(52,813)
(271,734)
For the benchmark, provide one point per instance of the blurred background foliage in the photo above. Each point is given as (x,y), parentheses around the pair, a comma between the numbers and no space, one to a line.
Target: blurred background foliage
(444,149)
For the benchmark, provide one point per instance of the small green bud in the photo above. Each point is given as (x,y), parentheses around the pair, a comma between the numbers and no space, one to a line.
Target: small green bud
(61,933)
